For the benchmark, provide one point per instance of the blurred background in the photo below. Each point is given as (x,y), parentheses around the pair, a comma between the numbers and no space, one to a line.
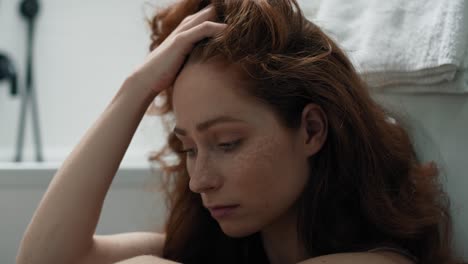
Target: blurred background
(82,52)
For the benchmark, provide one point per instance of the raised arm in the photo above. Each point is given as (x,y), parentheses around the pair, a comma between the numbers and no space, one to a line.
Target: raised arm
(63,225)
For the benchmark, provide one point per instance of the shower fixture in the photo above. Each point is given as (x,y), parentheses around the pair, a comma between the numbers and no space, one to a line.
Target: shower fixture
(29,10)
(8,72)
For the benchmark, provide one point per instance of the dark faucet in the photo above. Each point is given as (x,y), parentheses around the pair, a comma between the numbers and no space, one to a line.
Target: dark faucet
(8,72)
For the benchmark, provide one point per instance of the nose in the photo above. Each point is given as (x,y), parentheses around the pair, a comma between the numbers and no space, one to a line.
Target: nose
(204,177)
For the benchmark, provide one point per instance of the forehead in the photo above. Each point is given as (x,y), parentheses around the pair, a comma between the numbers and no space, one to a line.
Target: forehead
(199,76)
(211,88)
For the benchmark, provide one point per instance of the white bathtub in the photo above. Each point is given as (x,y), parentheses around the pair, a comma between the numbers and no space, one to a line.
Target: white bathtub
(129,205)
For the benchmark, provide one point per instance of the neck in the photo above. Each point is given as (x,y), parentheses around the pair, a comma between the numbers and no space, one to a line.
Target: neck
(281,243)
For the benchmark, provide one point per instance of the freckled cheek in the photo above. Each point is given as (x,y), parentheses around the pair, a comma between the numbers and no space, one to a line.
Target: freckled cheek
(251,170)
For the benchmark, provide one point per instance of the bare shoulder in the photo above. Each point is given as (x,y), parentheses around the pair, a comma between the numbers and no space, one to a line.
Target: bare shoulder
(362,258)
(118,247)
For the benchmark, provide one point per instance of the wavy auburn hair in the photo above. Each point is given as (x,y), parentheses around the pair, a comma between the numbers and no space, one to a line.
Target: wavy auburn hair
(368,186)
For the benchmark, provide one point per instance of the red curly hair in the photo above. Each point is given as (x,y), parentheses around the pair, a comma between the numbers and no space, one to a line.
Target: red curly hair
(368,186)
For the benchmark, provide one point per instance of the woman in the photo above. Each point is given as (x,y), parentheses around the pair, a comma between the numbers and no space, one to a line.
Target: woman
(283,156)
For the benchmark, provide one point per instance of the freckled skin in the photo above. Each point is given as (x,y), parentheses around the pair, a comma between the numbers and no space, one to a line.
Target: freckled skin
(265,174)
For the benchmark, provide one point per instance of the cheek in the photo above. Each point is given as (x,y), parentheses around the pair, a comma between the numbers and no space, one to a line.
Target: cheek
(254,169)
(271,168)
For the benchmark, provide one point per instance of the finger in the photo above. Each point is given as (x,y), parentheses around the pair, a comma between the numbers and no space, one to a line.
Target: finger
(204,30)
(206,14)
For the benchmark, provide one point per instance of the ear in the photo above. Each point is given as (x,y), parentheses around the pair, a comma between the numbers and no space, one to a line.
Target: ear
(314,129)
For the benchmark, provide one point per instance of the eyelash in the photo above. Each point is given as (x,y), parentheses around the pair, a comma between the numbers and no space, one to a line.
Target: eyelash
(230,147)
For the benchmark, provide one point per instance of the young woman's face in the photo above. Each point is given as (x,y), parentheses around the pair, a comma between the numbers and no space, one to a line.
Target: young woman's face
(246,158)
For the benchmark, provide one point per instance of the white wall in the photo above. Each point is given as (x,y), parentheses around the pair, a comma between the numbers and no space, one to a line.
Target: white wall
(85,49)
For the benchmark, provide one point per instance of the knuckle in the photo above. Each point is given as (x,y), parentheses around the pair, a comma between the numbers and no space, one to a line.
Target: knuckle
(208,24)
(180,37)
(187,19)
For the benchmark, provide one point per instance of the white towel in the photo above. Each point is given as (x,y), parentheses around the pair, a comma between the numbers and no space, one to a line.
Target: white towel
(416,44)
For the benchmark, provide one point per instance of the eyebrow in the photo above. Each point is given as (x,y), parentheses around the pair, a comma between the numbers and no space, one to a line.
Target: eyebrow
(208,123)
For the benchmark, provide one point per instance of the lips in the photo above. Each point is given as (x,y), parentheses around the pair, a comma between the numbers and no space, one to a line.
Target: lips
(222,211)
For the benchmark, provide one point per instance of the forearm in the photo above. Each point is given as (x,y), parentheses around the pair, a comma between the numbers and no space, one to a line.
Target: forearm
(63,225)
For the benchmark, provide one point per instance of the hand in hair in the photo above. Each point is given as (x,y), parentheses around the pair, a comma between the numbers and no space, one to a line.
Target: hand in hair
(163,63)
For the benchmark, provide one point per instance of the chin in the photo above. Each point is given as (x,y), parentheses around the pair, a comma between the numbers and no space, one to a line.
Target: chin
(236,230)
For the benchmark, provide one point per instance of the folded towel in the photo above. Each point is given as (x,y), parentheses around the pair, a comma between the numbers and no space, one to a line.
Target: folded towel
(394,43)
(459,84)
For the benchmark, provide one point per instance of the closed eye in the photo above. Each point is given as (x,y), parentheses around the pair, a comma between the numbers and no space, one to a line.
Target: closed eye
(229,145)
